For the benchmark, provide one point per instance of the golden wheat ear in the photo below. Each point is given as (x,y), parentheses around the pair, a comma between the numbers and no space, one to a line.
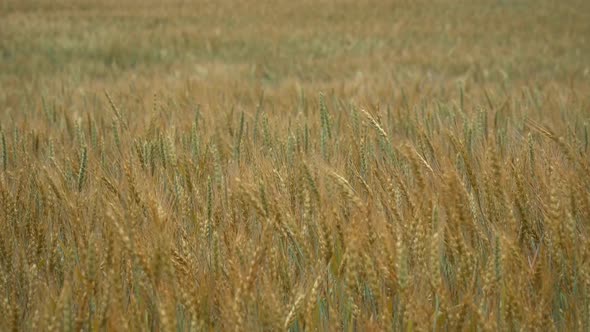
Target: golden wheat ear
(537,127)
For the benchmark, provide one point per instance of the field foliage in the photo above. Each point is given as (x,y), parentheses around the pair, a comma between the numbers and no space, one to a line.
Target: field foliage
(295,165)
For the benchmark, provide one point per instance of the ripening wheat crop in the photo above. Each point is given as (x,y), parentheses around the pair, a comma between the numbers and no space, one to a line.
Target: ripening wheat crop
(290,195)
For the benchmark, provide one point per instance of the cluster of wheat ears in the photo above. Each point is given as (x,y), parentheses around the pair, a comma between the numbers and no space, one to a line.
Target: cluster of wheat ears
(299,211)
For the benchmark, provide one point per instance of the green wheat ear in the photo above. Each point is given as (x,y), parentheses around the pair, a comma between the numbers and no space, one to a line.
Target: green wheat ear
(83,165)
(326,130)
(585,136)
(195,142)
(4,151)
(239,138)
(116,137)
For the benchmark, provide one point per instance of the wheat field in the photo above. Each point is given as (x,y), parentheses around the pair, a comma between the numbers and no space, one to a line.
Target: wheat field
(294,166)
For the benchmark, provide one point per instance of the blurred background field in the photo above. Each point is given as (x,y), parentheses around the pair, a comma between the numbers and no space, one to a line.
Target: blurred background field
(271,42)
